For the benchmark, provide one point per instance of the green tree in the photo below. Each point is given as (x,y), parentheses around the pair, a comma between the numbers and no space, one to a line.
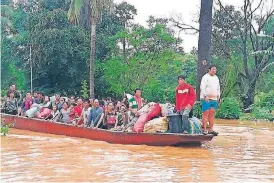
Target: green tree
(96,9)
(245,42)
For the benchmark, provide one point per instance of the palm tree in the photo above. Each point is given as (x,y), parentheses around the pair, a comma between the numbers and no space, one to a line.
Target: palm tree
(96,8)
(204,43)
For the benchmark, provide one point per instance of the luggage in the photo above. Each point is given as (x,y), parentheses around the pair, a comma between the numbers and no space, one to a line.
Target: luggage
(44,112)
(31,112)
(153,112)
(195,126)
(156,125)
(140,123)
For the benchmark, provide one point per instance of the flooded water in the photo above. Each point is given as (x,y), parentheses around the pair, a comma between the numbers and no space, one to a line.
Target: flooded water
(242,152)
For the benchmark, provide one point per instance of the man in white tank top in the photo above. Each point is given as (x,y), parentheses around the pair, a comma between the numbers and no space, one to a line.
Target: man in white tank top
(209,95)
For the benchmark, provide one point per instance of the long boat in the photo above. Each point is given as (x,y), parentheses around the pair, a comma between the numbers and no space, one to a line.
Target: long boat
(115,137)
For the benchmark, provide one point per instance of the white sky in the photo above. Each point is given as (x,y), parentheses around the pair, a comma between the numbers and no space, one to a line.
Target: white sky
(189,9)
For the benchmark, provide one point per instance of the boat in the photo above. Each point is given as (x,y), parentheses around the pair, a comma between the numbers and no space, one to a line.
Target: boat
(115,137)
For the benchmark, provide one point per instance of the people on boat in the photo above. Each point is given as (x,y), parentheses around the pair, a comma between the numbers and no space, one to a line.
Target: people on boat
(185,99)
(135,104)
(76,112)
(210,95)
(84,114)
(71,100)
(110,117)
(11,104)
(122,117)
(96,114)
(53,114)
(27,103)
(17,94)
(63,115)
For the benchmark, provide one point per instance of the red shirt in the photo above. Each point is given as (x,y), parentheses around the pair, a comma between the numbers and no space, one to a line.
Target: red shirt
(185,94)
(77,110)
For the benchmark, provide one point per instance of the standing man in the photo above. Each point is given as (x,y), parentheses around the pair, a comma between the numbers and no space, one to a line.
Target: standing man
(210,95)
(185,99)
(135,104)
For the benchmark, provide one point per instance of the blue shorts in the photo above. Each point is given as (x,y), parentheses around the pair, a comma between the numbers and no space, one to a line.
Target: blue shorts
(207,105)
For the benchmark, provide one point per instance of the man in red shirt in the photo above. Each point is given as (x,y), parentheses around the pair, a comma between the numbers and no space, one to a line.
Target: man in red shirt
(185,99)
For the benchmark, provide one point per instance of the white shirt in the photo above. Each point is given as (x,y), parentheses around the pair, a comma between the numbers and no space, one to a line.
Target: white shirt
(210,86)
(85,113)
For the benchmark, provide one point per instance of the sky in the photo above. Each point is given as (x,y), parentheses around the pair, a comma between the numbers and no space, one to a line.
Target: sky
(188,9)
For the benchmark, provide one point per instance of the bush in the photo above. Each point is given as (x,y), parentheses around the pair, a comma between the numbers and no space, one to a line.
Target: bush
(229,109)
(265,100)
(258,113)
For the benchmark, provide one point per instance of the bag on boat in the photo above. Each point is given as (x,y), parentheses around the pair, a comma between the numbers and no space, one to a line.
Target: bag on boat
(194,126)
(166,109)
(156,125)
(154,111)
(43,112)
(32,111)
(140,123)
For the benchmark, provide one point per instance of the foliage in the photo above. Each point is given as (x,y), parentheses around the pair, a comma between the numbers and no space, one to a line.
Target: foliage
(151,51)
(265,100)
(229,109)
(258,114)
(4,128)
(84,89)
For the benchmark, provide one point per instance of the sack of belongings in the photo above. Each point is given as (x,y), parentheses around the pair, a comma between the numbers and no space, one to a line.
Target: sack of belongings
(156,125)
(194,126)
(152,112)
(167,109)
(43,112)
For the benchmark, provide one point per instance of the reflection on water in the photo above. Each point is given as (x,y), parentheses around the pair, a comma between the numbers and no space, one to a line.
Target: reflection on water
(242,152)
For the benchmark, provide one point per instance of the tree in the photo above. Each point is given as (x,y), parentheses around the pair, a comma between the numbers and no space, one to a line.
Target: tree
(204,43)
(96,9)
(125,12)
(248,42)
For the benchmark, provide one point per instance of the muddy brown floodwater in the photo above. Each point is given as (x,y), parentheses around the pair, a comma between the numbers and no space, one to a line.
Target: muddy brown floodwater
(242,152)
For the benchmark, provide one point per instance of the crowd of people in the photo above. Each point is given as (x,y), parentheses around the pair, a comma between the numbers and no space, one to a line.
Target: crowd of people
(108,114)
(105,113)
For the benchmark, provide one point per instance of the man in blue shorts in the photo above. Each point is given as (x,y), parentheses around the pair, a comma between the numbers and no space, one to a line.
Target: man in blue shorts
(210,95)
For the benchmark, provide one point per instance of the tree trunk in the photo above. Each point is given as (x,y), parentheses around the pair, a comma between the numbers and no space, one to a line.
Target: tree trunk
(92,56)
(204,43)
(248,98)
(124,45)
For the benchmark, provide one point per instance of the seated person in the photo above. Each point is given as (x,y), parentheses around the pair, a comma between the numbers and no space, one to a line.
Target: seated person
(76,112)
(110,117)
(85,113)
(53,114)
(63,115)
(28,101)
(60,103)
(95,115)
(123,117)
(11,104)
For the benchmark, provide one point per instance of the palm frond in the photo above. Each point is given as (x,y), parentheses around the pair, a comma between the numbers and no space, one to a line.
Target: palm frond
(74,11)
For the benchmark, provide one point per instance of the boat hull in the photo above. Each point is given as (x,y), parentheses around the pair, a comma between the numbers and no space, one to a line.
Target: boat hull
(153,139)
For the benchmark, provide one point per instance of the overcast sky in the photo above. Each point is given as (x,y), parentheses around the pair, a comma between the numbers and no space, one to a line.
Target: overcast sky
(189,9)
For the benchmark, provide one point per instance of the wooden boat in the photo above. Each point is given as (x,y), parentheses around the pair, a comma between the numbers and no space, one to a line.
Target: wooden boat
(154,139)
